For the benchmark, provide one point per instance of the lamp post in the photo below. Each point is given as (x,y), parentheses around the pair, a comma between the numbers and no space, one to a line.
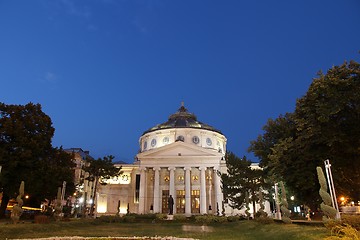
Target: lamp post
(332,188)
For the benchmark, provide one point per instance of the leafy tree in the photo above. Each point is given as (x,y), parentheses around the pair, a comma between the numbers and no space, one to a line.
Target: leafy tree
(241,181)
(26,154)
(325,125)
(99,171)
(276,133)
(56,168)
(281,128)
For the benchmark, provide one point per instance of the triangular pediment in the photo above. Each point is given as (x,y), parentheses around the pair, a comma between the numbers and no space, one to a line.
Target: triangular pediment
(178,149)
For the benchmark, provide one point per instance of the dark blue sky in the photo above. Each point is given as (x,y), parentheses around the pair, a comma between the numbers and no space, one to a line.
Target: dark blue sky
(106,70)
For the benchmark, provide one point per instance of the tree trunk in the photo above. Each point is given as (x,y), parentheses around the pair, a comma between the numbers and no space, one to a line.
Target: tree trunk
(4,203)
(254,209)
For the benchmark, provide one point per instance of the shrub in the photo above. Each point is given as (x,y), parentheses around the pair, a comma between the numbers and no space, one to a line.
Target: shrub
(344,232)
(330,224)
(180,217)
(205,219)
(220,219)
(284,206)
(350,220)
(109,219)
(191,218)
(326,205)
(233,218)
(41,219)
(161,216)
(264,220)
(142,217)
(129,218)
(353,220)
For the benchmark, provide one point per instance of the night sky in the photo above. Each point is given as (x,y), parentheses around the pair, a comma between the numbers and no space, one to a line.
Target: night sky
(105,71)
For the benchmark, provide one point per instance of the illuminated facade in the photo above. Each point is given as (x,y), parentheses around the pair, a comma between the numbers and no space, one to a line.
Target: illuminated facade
(181,157)
(84,189)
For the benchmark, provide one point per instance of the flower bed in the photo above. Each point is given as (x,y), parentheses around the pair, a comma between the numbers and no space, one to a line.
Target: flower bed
(106,238)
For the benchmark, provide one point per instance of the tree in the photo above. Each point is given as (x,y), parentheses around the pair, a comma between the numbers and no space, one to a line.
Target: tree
(58,167)
(276,133)
(241,181)
(284,205)
(99,171)
(26,154)
(281,128)
(325,125)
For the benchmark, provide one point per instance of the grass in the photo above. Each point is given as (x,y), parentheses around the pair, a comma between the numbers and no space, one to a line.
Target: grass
(242,230)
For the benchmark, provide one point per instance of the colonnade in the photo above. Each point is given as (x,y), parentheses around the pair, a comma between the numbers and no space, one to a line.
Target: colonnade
(156,201)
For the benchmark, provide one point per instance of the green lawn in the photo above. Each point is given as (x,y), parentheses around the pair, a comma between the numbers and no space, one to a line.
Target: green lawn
(230,230)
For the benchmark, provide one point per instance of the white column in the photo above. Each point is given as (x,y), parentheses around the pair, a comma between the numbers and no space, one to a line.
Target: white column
(202,190)
(187,191)
(142,191)
(157,190)
(218,193)
(210,190)
(172,186)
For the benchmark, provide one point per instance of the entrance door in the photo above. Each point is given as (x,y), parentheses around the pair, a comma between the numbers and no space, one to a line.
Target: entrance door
(195,201)
(165,204)
(180,201)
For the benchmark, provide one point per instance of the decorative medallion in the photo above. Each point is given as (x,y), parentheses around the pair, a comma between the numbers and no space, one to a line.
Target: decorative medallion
(166,140)
(195,139)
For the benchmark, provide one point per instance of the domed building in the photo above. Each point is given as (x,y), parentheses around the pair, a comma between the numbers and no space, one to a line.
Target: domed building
(182,158)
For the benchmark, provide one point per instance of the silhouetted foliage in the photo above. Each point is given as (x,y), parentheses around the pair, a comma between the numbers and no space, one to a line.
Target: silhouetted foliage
(26,154)
(325,125)
(240,181)
(99,171)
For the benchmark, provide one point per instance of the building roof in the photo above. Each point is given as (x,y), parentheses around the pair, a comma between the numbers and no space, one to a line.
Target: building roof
(120,162)
(182,119)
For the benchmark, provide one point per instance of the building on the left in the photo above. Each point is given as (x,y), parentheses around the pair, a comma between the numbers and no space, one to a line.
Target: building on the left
(83,197)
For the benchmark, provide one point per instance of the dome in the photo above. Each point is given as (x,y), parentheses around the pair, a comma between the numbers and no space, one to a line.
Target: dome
(182,119)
